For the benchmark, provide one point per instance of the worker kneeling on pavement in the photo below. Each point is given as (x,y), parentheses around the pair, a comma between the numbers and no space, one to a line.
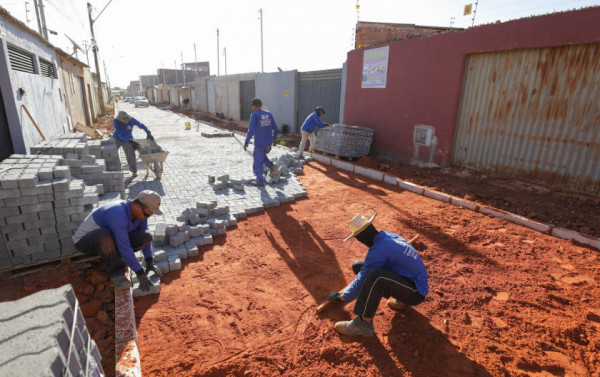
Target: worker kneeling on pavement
(392,269)
(264,129)
(115,231)
(123,124)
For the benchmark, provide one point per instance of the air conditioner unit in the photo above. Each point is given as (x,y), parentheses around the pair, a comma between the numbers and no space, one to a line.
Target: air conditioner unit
(423,135)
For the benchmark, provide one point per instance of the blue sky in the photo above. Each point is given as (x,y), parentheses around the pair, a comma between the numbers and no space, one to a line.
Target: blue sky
(136,37)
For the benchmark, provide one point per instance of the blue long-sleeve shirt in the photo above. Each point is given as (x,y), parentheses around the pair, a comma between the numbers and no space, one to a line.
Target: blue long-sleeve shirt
(312,121)
(123,130)
(394,253)
(263,127)
(116,217)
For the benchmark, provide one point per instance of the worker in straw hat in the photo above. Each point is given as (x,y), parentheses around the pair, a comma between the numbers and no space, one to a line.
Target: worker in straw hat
(391,269)
(115,231)
(124,124)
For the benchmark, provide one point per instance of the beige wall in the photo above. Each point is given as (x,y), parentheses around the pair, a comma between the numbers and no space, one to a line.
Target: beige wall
(71,71)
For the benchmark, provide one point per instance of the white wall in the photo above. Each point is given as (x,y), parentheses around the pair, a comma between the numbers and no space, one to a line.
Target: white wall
(277,91)
(42,94)
(227,94)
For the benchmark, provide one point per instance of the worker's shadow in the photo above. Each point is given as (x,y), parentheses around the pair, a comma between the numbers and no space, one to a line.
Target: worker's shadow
(306,253)
(424,350)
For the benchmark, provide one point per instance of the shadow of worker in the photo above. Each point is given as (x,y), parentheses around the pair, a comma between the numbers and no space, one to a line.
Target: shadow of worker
(423,350)
(306,253)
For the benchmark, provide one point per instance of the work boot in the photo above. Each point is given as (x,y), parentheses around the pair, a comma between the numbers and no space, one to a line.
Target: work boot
(273,169)
(120,282)
(355,327)
(133,174)
(257,184)
(395,304)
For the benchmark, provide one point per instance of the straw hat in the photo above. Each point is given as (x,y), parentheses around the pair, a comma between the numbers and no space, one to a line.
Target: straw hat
(358,224)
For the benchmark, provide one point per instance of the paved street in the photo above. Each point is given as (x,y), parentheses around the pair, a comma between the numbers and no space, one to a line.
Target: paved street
(193,158)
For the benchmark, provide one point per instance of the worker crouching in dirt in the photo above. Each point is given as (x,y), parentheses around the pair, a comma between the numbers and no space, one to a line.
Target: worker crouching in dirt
(391,269)
(115,231)
(263,128)
(123,124)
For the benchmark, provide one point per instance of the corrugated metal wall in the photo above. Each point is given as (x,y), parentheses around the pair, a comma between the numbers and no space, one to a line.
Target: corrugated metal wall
(319,88)
(533,115)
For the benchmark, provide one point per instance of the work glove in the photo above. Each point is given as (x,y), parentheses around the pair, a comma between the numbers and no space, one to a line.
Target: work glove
(327,125)
(245,145)
(149,136)
(135,145)
(150,266)
(335,297)
(145,283)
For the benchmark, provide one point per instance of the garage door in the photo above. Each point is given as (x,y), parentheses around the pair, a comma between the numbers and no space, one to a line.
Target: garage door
(533,115)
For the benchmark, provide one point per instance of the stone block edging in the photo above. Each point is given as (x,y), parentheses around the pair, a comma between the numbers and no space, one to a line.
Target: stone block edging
(127,354)
(420,190)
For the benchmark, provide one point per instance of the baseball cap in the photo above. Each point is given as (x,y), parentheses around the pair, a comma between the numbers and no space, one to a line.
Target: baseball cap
(151,200)
(319,108)
(123,117)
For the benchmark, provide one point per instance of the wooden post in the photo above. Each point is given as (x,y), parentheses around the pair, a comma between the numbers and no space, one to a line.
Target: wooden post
(36,126)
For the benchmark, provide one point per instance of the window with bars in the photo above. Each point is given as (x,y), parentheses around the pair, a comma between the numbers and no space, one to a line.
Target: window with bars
(47,68)
(20,60)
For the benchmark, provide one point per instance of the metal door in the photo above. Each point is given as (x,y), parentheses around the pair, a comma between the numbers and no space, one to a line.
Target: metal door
(210,93)
(533,115)
(6,147)
(319,88)
(247,93)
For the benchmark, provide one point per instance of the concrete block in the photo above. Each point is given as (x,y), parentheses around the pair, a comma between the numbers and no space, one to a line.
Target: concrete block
(390,180)
(154,289)
(463,203)
(408,186)
(174,263)
(369,173)
(172,229)
(322,159)
(436,195)
(159,255)
(163,266)
(344,165)
(39,207)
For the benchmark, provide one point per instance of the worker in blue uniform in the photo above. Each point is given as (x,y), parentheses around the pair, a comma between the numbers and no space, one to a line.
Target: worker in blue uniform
(391,269)
(115,231)
(124,124)
(263,128)
(307,130)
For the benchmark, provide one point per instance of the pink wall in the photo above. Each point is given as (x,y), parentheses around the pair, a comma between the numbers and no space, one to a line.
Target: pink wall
(425,76)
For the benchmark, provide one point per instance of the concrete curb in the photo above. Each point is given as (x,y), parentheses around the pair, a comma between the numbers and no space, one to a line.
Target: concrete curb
(423,191)
(127,354)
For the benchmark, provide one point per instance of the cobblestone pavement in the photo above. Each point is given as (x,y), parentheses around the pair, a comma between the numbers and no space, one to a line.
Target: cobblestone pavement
(193,158)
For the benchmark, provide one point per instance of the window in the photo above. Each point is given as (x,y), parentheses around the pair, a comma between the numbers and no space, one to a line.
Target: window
(20,60)
(47,69)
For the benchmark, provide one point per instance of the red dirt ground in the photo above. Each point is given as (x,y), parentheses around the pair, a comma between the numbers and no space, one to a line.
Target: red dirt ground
(504,301)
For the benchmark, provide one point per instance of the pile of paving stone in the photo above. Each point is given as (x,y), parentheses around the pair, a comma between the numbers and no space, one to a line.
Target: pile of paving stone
(286,164)
(41,206)
(83,159)
(44,334)
(217,134)
(345,141)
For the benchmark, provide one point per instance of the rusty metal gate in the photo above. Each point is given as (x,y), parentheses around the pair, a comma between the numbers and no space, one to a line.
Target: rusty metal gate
(533,115)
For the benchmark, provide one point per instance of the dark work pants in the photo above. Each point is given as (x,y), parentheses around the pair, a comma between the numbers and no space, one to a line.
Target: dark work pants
(101,242)
(129,154)
(384,283)
(260,161)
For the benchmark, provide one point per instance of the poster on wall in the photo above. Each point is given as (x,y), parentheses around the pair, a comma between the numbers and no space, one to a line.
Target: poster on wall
(375,64)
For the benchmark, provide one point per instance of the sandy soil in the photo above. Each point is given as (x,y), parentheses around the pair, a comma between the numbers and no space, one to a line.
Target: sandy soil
(504,301)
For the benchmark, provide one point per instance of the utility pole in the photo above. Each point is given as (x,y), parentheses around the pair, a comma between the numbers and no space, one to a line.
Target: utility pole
(474,12)
(107,82)
(95,51)
(218,50)
(262,61)
(37,15)
(43,17)
(183,66)
(176,70)
(87,48)
(225,55)
(195,61)
(27,12)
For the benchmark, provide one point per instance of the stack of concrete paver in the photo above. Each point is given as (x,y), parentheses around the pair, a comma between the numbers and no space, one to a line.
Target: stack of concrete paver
(44,334)
(346,141)
(82,162)
(106,150)
(41,206)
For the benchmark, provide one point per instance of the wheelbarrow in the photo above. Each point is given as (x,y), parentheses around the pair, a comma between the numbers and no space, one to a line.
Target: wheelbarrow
(153,156)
